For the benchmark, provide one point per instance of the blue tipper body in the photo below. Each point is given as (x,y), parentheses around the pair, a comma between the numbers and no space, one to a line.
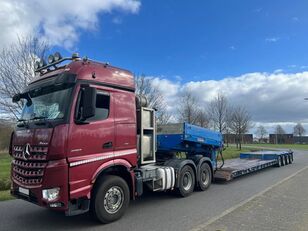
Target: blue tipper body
(190,139)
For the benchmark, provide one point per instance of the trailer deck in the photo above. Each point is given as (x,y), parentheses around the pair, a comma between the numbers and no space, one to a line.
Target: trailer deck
(251,162)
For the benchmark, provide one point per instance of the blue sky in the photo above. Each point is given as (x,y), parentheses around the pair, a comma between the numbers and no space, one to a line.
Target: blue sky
(254,52)
(203,39)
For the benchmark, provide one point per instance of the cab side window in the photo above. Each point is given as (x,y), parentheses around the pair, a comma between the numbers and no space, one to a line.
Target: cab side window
(102,106)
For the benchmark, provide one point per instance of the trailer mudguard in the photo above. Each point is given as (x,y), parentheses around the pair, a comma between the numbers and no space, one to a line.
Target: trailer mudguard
(178,164)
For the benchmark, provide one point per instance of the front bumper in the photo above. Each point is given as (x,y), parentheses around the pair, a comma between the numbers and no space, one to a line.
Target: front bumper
(55,175)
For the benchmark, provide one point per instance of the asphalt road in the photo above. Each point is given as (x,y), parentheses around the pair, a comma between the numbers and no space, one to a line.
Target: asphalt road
(156,211)
(284,207)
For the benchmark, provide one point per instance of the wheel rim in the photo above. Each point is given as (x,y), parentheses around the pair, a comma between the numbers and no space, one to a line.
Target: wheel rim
(187,181)
(204,177)
(114,199)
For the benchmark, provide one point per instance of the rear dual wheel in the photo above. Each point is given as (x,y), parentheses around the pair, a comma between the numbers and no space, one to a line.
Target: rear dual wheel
(205,177)
(186,181)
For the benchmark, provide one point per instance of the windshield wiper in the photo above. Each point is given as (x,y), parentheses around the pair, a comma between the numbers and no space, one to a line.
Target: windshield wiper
(38,117)
(22,123)
(41,120)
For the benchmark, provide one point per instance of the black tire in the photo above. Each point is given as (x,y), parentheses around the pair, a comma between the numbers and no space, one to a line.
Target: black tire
(205,177)
(278,162)
(281,159)
(110,188)
(186,181)
(289,158)
(286,160)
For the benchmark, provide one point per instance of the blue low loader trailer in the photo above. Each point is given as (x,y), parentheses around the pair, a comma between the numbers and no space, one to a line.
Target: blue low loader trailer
(183,143)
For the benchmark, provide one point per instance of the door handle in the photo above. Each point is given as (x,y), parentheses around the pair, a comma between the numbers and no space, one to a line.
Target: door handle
(107,145)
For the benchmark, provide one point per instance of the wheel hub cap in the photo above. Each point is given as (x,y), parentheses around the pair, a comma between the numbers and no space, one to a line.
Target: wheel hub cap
(113,200)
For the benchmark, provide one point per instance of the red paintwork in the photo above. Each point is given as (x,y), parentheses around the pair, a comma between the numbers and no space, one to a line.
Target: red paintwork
(73,142)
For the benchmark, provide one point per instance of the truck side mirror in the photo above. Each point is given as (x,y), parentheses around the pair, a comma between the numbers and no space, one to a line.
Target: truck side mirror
(88,102)
(16,98)
(19,96)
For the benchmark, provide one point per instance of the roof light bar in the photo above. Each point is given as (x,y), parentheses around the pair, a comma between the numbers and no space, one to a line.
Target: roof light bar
(57,56)
(53,60)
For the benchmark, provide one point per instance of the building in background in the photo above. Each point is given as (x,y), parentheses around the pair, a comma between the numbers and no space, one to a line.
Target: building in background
(300,139)
(232,138)
(281,138)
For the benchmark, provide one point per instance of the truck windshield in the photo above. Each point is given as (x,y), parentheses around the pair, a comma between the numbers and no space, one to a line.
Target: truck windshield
(47,103)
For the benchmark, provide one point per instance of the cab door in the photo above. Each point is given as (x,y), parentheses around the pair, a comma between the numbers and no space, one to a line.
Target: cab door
(90,143)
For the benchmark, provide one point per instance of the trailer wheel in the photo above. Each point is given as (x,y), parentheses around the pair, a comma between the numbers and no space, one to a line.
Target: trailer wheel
(110,199)
(278,162)
(205,176)
(286,160)
(289,158)
(186,181)
(281,159)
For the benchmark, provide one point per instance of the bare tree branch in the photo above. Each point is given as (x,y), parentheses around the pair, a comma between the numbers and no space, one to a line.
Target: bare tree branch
(155,98)
(299,130)
(261,132)
(240,123)
(217,111)
(17,70)
(188,108)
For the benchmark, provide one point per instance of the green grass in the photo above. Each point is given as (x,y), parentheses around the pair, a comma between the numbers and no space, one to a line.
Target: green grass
(5,167)
(5,195)
(284,146)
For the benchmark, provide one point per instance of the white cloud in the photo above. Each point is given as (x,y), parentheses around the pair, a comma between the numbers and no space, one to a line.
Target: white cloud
(278,71)
(271,98)
(272,39)
(58,20)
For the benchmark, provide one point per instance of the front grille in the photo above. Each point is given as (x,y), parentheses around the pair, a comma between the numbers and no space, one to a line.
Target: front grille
(29,170)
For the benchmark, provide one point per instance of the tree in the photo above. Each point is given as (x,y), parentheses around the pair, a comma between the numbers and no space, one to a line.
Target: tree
(188,108)
(217,111)
(279,130)
(240,123)
(228,125)
(299,130)
(202,118)
(6,128)
(144,86)
(17,70)
(261,132)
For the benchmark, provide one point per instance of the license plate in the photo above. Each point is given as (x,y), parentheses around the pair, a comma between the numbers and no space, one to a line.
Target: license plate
(23,191)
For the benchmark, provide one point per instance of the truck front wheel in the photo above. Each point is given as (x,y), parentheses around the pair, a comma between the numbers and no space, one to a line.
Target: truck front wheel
(205,176)
(186,181)
(110,199)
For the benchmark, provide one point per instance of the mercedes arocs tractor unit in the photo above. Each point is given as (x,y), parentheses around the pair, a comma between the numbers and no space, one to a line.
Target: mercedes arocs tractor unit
(86,142)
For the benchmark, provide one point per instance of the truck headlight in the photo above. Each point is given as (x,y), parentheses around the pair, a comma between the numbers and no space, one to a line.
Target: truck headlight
(51,194)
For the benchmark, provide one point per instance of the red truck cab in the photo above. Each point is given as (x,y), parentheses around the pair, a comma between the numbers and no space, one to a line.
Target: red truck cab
(85,141)
(78,124)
